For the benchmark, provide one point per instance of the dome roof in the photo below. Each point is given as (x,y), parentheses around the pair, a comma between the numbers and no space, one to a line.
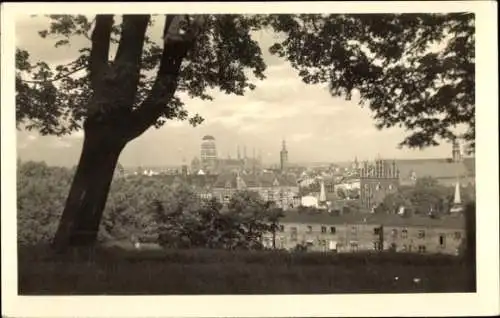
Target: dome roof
(208,137)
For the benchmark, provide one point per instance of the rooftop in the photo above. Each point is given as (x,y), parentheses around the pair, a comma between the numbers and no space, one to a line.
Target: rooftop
(208,137)
(293,216)
(436,168)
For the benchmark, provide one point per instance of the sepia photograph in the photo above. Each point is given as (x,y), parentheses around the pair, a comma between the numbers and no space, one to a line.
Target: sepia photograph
(216,151)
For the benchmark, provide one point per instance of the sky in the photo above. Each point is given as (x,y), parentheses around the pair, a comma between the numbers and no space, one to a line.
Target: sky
(316,126)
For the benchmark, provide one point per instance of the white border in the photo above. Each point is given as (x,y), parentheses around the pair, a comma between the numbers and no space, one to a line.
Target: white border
(484,302)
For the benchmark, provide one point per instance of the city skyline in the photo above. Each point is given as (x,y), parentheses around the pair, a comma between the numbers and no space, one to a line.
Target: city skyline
(45,148)
(316,126)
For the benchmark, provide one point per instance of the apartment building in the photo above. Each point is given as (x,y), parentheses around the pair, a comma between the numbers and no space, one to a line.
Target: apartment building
(355,232)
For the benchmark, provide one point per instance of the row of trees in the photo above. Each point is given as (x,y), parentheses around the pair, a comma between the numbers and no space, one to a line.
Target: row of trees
(426,196)
(145,209)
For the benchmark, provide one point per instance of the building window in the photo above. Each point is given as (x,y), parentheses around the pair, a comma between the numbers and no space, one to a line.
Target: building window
(376,231)
(354,230)
(282,228)
(333,230)
(323,229)
(421,234)
(457,235)
(421,248)
(394,232)
(442,240)
(404,233)
(293,235)
(354,246)
(309,229)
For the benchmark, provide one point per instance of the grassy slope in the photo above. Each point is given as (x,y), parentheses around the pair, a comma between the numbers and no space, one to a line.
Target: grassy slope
(118,271)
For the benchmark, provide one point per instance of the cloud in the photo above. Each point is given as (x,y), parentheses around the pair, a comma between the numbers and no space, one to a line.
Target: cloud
(300,137)
(76,135)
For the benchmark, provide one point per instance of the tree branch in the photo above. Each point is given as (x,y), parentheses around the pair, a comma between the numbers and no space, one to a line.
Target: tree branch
(132,40)
(55,79)
(177,42)
(99,53)
(127,63)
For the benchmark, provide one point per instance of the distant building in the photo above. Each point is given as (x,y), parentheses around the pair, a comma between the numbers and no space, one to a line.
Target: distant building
(201,184)
(211,164)
(208,153)
(277,188)
(310,201)
(377,180)
(283,157)
(445,170)
(355,232)
(195,165)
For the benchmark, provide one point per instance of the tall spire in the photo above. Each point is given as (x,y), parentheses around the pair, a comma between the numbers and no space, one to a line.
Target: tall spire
(322,193)
(456,153)
(283,157)
(238,154)
(457,199)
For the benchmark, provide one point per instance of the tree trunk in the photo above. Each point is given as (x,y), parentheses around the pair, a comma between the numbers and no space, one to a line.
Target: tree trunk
(85,204)
(274,236)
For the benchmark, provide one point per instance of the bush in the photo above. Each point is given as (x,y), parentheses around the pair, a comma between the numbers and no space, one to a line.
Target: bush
(140,207)
(41,195)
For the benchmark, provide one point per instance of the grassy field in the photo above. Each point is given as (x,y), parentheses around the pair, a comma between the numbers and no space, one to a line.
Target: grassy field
(118,271)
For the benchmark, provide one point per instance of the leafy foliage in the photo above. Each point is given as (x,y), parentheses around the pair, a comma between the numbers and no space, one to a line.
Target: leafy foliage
(427,195)
(145,209)
(41,193)
(391,61)
(413,70)
(54,100)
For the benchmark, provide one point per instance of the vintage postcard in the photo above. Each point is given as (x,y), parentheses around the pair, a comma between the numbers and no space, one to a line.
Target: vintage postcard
(250,159)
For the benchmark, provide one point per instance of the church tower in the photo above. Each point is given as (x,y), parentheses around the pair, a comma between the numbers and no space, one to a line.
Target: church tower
(456,153)
(283,157)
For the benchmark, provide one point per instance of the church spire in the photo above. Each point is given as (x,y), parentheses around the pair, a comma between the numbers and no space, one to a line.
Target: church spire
(457,200)
(322,193)
(456,153)
(283,157)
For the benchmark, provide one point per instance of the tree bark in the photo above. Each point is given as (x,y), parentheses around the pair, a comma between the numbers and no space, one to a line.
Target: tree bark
(85,204)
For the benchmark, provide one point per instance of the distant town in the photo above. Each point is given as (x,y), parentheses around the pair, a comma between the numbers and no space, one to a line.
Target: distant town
(332,189)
